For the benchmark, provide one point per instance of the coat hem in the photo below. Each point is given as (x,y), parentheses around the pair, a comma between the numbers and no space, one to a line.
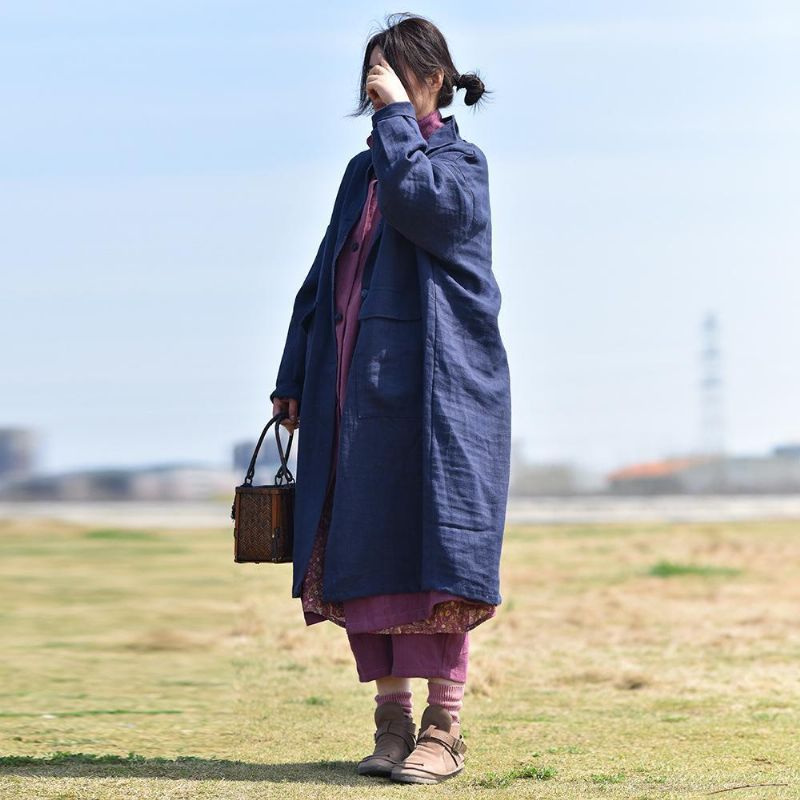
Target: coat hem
(459,590)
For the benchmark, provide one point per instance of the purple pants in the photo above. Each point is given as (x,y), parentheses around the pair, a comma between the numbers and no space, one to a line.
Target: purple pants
(410,655)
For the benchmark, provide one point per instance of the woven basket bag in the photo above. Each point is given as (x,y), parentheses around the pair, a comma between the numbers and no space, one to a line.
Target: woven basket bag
(263,516)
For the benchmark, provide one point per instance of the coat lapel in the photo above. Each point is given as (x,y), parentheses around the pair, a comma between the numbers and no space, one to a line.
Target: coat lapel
(350,214)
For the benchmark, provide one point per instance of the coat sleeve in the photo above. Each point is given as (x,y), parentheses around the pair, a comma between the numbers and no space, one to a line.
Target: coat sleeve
(291,372)
(430,200)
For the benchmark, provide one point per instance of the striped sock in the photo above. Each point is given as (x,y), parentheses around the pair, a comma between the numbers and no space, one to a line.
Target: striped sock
(404,698)
(449,697)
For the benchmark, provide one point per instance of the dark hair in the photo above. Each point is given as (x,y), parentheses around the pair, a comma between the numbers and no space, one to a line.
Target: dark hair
(413,44)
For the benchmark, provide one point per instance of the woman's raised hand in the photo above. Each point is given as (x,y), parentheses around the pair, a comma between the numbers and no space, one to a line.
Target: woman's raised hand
(288,405)
(384,86)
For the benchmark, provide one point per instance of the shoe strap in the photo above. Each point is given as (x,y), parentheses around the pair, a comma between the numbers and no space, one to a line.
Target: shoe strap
(457,745)
(394,727)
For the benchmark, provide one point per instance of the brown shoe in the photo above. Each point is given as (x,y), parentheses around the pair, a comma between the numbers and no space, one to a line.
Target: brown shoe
(394,740)
(439,753)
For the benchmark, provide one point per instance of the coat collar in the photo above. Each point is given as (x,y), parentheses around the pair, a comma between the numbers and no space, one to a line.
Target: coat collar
(446,134)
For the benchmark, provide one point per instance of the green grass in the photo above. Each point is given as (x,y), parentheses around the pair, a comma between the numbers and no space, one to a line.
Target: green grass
(628,661)
(316,701)
(668,569)
(498,780)
(602,779)
(122,535)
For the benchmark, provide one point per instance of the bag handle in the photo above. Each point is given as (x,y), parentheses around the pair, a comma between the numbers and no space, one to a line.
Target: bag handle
(283,470)
(283,473)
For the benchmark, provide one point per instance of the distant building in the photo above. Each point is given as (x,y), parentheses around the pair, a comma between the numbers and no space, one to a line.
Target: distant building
(167,482)
(17,453)
(710,475)
(652,477)
(786,451)
(268,461)
(547,479)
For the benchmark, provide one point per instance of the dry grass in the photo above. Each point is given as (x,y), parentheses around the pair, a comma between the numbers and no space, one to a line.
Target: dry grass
(635,661)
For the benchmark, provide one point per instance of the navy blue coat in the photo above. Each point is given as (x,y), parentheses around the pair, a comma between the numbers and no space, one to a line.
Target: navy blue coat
(424,449)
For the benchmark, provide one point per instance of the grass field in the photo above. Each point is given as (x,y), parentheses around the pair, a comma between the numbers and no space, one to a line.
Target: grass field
(627,661)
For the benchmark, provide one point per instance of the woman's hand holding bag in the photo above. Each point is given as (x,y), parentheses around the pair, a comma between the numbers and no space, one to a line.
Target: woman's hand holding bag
(287,406)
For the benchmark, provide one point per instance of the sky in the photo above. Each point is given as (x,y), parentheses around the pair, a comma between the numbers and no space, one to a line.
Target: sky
(167,170)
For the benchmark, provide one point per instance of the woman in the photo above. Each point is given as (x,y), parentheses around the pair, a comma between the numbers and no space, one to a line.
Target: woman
(394,354)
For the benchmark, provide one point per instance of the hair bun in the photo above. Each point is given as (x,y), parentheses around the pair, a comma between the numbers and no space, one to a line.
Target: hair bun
(473,85)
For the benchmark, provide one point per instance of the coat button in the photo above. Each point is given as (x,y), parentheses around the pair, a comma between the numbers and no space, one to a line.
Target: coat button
(363,293)
(354,246)
(339,316)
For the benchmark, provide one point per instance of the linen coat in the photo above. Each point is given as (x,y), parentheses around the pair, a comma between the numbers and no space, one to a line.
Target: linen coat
(425,435)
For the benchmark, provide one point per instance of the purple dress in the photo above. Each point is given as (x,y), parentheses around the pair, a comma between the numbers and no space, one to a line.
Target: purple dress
(410,612)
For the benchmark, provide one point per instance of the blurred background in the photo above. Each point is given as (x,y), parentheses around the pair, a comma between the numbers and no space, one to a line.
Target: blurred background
(168,170)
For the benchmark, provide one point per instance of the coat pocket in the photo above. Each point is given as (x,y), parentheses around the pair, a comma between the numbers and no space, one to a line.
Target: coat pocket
(388,358)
